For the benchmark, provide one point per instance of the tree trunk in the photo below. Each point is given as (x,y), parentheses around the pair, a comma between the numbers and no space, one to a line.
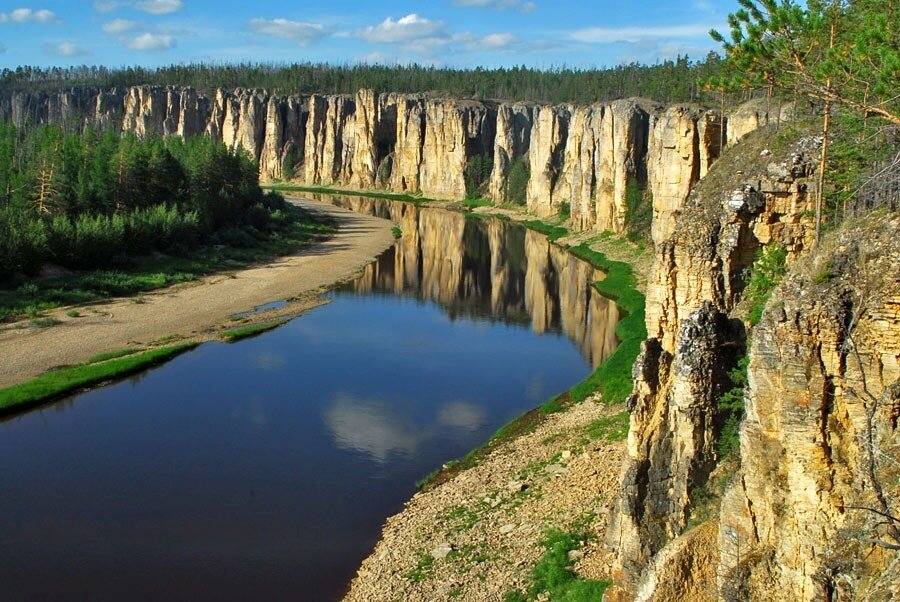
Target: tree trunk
(820,197)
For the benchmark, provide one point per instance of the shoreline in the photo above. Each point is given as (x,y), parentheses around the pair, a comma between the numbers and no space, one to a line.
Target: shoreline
(199,311)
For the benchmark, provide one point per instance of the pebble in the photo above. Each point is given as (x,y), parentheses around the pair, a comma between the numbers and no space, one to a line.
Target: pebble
(507,529)
(441,551)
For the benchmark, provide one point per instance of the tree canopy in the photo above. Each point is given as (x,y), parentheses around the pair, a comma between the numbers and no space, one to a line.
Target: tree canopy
(837,51)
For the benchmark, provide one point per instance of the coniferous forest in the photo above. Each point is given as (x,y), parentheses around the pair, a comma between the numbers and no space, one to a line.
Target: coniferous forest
(84,200)
(678,80)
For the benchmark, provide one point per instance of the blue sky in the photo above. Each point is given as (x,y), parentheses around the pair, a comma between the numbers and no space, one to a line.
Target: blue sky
(459,33)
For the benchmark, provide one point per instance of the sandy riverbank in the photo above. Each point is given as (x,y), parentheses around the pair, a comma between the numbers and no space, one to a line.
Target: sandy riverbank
(198,309)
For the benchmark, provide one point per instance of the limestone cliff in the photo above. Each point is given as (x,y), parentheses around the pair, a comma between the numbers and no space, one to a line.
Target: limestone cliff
(548,140)
(820,441)
(696,281)
(581,156)
(755,114)
(513,139)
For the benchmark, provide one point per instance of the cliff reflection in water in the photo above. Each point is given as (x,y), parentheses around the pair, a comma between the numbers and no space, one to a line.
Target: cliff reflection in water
(488,269)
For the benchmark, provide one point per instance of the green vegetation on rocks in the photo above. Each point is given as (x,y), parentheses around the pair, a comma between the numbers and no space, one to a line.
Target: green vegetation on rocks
(553,576)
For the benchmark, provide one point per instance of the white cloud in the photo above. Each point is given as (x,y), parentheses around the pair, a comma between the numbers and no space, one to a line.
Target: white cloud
(606,35)
(411,28)
(519,5)
(117,26)
(159,7)
(70,49)
(27,15)
(302,33)
(151,41)
(105,6)
(494,41)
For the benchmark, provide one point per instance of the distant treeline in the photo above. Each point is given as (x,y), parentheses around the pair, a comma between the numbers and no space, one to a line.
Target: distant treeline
(677,80)
(89,200)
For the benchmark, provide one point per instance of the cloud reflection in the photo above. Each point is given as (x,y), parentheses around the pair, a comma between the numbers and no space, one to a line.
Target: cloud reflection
(462,415)
(371,427)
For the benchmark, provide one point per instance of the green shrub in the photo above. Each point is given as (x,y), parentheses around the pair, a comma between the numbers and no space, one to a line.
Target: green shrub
(553,574)
(765,274)
(731,409)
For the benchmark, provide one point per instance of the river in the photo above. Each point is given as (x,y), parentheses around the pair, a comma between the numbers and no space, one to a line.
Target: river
(264,469)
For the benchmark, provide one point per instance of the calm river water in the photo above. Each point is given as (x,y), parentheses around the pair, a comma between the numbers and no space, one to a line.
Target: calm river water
(264,469)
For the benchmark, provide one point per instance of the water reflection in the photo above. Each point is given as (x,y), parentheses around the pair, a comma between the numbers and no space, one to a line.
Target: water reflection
(371,427)
(489,269)
(462,415)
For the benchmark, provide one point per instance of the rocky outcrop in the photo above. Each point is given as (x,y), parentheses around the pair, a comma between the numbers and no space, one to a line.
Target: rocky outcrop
(755,114)
(819,444)
(684,141)
(455,131)
(696,282)
(548,144)
(583,156)
(513,139)
(606,151)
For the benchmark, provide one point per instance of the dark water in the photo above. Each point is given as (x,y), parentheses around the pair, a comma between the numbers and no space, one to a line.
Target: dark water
(263,470)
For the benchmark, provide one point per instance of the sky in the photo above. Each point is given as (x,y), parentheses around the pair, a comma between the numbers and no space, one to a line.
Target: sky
(453,33)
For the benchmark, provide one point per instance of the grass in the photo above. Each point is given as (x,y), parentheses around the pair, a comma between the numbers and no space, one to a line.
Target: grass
(45,322)
(60,382)
(149,273)
(423,568)
(396,232)
(553,573)
(112,355)
(251,330)
(610,428)
(479,202)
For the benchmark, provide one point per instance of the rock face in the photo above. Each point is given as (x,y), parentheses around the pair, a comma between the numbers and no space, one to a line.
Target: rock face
(607,150)
(696,281)
(755,114)
(455,131)
(585,156)
(513,139)
(548,143)
(683,143)
(821,433)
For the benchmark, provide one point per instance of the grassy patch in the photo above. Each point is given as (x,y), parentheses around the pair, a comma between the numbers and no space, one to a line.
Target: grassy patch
(45,322)
(73,313)
(553,233)
(251,330)
(149,273)
(396,232)
(423,568)
(610,428)
(66,380)
(112,355)
(553,572)
(479,202)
